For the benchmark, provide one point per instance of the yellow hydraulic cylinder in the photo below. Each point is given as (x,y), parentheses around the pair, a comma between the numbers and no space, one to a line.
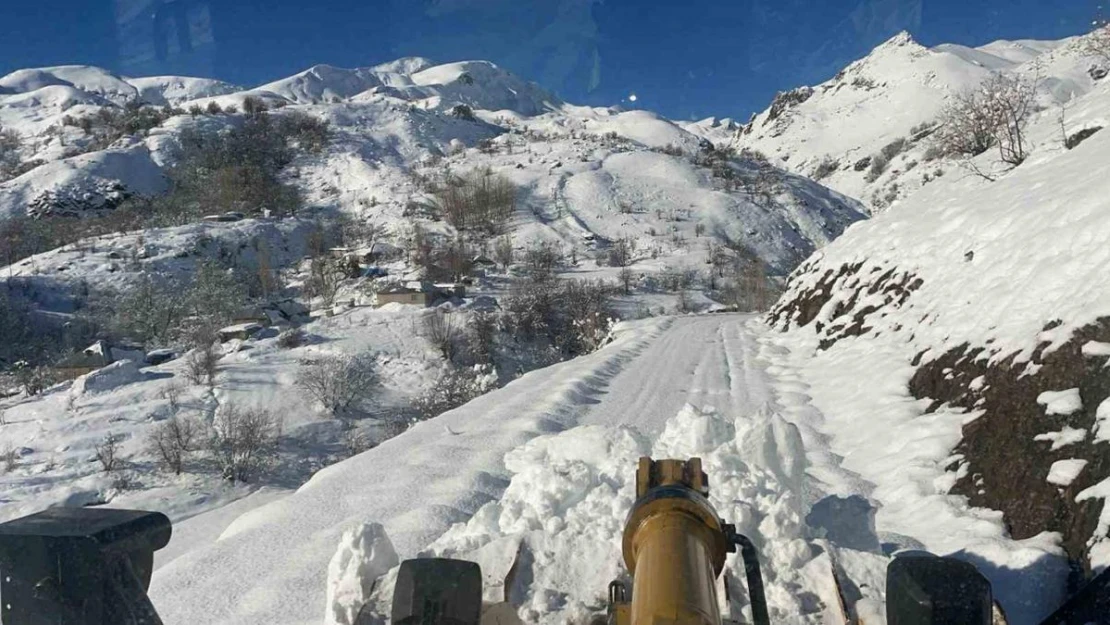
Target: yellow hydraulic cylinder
(674,546)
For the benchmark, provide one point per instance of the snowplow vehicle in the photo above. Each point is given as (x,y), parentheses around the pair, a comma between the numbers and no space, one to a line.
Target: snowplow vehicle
(92,566)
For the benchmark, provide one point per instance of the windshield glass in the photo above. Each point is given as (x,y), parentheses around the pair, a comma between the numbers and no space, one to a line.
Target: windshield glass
(349,309)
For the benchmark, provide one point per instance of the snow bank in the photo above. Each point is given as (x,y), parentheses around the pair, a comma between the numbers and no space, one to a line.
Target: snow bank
(1062,438)
(364,554)
(1060,402)
(416,485)
(106,379)
(1064,472)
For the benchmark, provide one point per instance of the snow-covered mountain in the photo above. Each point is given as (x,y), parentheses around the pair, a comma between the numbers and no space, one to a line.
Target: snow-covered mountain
(392,118)
(894,95)
(967,326)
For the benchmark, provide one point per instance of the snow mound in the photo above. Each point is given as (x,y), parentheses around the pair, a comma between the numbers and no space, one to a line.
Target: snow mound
(1064,472)
(483,85)
(323,83)
(107,378)
(1060,402)
(1062,438)
(405,65)
(84,182)
(364,554)
(175,90)
(92,80)
(564,508)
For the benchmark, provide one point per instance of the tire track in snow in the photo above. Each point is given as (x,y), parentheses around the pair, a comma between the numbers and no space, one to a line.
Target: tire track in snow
(700,390)
(272,560)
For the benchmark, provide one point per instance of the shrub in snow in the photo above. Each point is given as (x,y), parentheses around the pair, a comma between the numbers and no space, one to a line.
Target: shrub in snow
(894,148)
(1097,43)
(540,260)
(172,441)
(243,442)
(203,363)
(152,311)
(339,382)
(33,380)
(254,105)
(364,554)
(481,330)
(325,275)
(463,111)
(587,314)
(293,337)
(878,166)
(626,277)
(478,200)
(620,254)
(441,331)
(303,131)
(107,453)
(355,442)
(9,458)
(1074,140)
(455,387)
(9,153)
(993,114)
(825,168)
(503,252)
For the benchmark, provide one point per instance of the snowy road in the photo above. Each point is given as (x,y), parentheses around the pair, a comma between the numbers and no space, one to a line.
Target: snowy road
(545,467)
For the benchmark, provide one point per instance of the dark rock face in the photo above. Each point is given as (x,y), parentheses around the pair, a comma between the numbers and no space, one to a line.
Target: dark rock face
(1007,469)
(1003,467)
(77,201)
(787,100)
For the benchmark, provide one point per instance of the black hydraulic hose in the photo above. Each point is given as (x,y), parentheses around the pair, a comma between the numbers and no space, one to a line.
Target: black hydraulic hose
(755,579)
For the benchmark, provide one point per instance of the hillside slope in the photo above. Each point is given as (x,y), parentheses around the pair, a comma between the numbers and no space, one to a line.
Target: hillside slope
(987,300)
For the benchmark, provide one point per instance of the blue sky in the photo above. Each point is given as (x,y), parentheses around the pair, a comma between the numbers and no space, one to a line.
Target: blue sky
(685,59)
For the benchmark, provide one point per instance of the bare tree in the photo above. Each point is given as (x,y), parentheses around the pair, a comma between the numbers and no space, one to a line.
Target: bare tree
(1011,101)
(503,252)
(107,453)
(1097,43)
(268,283)
(626,277)
(541,259)
(479,200)
(9,457)
(244,442)
(254,106)
(203,363)
(339,382)
(994,114)
(480,333)
(620,255)
(458,258)
(152,311)
(324,277)
(172,441)
(441,331)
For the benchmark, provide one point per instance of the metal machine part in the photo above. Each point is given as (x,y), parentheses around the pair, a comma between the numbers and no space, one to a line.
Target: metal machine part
(80,566)
(437,591)
(930,590)
(675,546)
